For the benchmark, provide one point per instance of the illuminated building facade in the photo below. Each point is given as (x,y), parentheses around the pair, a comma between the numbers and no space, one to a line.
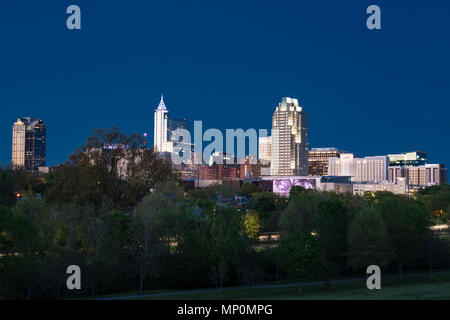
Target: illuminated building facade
(426,175)
(249,169)
(318,160)
(400,186)
(368,169)
(264,154)
(264,149)
(29,144)
(414,158)
(161,144)
(289,149)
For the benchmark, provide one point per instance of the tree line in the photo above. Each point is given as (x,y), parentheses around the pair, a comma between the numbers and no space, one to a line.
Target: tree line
(136,228)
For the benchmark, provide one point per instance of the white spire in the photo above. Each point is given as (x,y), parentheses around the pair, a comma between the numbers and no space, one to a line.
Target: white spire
(162,105)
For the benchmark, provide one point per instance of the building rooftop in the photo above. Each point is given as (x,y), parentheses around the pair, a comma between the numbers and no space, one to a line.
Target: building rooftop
(324,149)
(162,105)
(28,121)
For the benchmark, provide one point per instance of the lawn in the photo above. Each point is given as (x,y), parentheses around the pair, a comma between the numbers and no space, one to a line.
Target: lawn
(422,291)
(410,287)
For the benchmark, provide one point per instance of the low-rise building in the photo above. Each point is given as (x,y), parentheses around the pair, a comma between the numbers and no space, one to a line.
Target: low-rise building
(282,185)
(425,175)
(340,184)
(250,168)
(400,186)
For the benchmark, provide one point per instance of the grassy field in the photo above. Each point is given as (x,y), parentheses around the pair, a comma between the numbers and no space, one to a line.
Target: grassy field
(410,287)
(390,290)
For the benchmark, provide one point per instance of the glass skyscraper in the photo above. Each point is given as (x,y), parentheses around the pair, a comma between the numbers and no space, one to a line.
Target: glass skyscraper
(29,144)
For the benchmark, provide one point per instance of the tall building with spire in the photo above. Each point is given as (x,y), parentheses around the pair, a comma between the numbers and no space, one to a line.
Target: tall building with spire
(160,132)
(289,150)
(29,144)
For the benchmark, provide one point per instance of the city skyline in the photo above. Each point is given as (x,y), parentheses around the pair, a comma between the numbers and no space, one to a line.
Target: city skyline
(366,92)
(161,130)
(199,151)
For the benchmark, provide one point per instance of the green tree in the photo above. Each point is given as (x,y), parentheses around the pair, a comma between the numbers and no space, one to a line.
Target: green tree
(147,227)
(269,206)
(295,190)
(112,260)
(301,257)
(252,224)
(301,212)
(252,266)
(7,190)
(147,171)
(193,259)
(434,249)
(368,241)
(248,189)
(111,171)
(407,222)
(19,248)
(437,201)
(228,244)
(332,227)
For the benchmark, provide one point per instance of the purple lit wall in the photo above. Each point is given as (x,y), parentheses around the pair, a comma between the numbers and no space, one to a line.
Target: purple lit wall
(285,185)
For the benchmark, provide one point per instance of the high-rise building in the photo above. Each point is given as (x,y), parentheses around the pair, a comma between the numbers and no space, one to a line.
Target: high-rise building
(164,128)
(264,154)
(368,169)
(29,144)
(264,149)
(289,149)
(414,158)
(161,144)
(174,124)
(318,160)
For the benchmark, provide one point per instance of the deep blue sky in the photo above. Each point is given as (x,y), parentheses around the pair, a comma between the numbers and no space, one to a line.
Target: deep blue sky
(228,63)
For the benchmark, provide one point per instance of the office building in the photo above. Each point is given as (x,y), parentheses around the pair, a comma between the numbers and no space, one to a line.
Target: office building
(264,149)
(395,172)
(29,144)
(414,158)
(318,160)
(368,169)
(400,186)
(289,148)
(424,176)
(250,169)
(219,171)
(264,154)
(161,144)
